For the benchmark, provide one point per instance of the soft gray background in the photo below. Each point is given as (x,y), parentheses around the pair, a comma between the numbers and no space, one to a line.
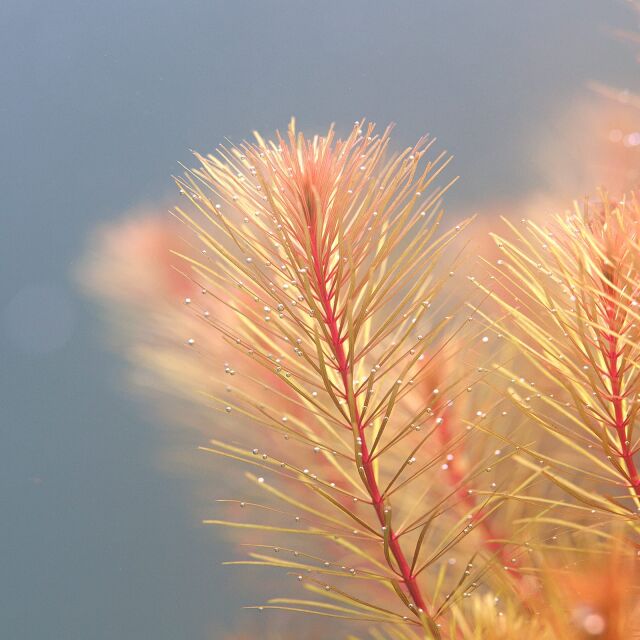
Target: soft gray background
(98,102)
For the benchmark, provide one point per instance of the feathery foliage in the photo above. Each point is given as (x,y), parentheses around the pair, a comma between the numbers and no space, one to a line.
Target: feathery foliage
(570,290)
(384,472)
(327,255)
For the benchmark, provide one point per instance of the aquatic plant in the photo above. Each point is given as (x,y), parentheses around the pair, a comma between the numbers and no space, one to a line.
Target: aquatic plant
(320,327)
(328,255)
(572,312)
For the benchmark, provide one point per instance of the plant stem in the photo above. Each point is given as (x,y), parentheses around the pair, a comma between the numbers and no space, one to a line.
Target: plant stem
(613,372)
(490,536)
(371,484)
(456,478)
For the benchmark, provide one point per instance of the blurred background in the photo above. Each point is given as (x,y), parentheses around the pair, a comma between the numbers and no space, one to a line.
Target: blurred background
(99,538)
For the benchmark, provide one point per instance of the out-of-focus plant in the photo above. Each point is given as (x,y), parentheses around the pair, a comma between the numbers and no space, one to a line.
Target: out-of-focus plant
(592,595)
(586,592)
(596,145)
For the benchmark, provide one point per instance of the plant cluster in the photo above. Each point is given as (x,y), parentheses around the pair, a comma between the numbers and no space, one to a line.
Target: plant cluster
(433,452)
(415,441)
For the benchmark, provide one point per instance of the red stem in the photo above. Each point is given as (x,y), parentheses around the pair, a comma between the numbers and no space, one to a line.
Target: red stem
(367,464)
(456,478)
(614,374)
(490,537)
